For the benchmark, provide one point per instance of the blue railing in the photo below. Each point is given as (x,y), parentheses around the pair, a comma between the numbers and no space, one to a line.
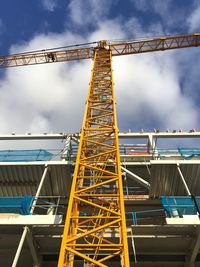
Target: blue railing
(144,150)
(179,206)
(172,207)
(135,217)
(18,205)
(134,190)
(189,153)
(25,155)
(23,205)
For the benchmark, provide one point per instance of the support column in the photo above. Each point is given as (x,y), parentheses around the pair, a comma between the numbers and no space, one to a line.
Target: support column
(19,249)
(33,249)
(136,178)
(183,180)
(152,145)
(27,235)
(39,188)
(26,229)
(190,259)
(68,148)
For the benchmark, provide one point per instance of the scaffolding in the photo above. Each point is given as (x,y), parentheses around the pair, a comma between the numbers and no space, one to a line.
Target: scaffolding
(151,225)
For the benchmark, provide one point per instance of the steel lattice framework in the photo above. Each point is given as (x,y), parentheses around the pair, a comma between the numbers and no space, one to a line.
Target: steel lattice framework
(96,202)
(86,51)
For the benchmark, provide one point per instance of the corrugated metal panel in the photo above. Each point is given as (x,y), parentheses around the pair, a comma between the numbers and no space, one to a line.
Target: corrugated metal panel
(191,173)
(165,179)
(141,170)
(21,180)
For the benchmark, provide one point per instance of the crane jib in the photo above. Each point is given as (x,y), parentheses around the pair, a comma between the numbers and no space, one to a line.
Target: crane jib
(118,48)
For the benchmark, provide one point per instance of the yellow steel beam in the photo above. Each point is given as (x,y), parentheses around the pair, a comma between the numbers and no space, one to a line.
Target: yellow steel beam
(81,255)
(109,256)
(87,51)
(90,203)
(97,166)
(98,185)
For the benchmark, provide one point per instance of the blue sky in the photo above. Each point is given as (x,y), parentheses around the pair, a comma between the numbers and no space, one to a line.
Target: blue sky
(156,90)
(21,20)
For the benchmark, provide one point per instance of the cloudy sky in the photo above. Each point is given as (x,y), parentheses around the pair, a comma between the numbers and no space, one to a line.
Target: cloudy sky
(155,90)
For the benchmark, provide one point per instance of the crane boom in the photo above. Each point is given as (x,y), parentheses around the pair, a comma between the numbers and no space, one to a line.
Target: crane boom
(86,52)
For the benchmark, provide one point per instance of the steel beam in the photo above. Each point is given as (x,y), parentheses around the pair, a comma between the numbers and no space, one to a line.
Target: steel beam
(39,188)
(121,135)
(30,136)
(195,245)
(136,178)
(174,162)
(67,149)
(19,249)
(33,248)
(183,180)
(159,135)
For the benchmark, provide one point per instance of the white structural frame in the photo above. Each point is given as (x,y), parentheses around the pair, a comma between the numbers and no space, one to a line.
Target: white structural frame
(26,230)
(68,138)
(122,135)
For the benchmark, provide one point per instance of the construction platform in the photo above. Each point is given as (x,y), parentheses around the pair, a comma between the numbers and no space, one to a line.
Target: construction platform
(160,172)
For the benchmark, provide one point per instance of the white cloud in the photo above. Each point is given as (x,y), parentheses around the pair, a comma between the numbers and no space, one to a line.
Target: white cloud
(148,87)
(194,18)
(84,12)
(159,7)
(51,97)
(44,98)
(172,16)
(50,5)
(149,96)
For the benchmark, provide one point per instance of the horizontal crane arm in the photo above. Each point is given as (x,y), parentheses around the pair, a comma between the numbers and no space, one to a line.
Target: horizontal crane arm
(45,57)
(155,44)
(118,48)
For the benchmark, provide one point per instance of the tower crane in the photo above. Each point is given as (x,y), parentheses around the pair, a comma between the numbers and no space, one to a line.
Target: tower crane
(96,204)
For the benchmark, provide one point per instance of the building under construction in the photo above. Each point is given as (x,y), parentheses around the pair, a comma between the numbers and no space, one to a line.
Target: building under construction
(101,197)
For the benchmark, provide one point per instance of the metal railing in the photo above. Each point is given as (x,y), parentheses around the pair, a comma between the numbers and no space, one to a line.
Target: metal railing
(179,206)
(46,205)
(142,150)
(143,217)
(126,150)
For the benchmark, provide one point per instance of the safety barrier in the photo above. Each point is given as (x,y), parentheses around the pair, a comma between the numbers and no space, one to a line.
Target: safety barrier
(189,153)
(180,206)
(24,205)
(48,205)
(18,205)
(25,155)
(143,217)
(142,150)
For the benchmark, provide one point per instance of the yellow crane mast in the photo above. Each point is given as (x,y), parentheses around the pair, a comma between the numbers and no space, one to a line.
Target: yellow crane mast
(96,204)
(93,210)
